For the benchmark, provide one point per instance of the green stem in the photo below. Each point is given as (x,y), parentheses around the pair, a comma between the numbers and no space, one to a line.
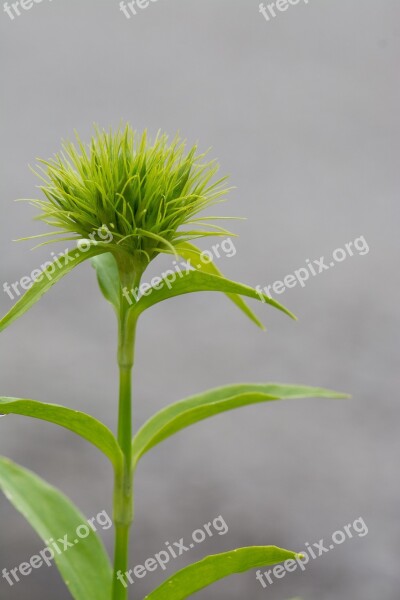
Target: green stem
(123,493)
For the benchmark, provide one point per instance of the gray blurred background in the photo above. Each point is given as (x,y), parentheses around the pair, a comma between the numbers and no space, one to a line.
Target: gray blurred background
(303,113)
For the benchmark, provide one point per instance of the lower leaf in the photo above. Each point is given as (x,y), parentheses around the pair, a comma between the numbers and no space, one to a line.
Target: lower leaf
(182,414)
(80,423)
(200,575)
(84,564)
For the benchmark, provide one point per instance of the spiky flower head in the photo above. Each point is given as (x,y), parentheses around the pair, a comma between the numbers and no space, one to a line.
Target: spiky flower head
(147,194)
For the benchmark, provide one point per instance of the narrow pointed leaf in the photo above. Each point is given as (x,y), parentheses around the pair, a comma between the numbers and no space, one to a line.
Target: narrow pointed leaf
(80,423)
(191,252)
(182,414)
(200,575)
(51,275)
(196,281)
(108,277)
(85,567)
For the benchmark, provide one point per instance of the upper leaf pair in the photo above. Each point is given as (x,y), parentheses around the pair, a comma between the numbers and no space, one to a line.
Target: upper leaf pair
(199,277)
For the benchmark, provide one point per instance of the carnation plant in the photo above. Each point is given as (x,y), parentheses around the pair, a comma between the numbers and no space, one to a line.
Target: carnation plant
(125,199)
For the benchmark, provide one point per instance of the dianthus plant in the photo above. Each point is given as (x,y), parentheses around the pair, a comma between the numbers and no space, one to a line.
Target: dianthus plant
(125,199)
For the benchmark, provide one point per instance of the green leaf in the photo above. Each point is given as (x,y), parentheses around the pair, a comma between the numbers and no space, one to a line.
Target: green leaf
(196,577)
(85,567)
(51,275)
(80,423)
(182,414)
(108,277)
(196,281)
(191,252)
